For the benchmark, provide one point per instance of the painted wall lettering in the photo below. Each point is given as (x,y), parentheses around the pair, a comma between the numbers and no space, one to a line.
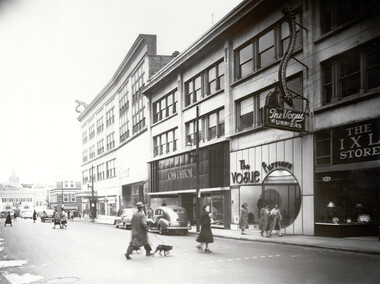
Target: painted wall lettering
(276,165)
(245,177)
(356,142)
(181,174)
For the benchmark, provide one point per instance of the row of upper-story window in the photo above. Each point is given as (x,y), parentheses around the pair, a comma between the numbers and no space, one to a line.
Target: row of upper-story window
(138,109)
(90,153)
(347,75)
(100,172)
(210,125)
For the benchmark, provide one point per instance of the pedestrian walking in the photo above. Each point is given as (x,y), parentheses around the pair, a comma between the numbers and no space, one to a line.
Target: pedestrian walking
(276,218)
(264,220)
(63,219)
(34,216)
(8,220)
(205,236)
(57,219)
(139,232)
(243,222)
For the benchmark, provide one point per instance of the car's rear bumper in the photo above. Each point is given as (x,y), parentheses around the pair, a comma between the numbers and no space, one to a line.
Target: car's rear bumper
(177,228)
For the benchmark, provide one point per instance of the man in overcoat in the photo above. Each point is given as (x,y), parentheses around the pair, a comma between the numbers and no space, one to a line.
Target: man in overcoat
(139,232)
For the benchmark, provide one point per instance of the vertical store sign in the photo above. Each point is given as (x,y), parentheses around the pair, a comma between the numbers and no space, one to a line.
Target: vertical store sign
(356,142)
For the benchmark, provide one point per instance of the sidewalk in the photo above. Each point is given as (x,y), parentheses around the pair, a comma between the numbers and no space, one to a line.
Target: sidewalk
(369,245)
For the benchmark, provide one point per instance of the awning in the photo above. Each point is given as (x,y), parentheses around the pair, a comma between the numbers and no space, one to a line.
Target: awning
(70,207)
(188,191)
(85,194)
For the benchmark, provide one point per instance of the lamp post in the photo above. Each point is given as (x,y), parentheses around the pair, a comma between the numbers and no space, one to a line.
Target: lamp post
(93,208)
(196,158)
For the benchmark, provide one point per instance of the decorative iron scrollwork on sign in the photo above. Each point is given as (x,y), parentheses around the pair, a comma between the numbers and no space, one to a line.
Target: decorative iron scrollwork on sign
(275,115)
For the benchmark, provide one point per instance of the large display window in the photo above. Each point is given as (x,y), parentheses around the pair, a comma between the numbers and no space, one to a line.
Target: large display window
(348,198)
(281,188)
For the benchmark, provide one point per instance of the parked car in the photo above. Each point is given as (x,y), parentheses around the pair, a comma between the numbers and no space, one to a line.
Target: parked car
(124,220)
(47,215)
(169,219)
(26,214)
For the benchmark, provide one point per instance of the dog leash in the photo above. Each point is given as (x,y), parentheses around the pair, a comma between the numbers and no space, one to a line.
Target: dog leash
(158,238)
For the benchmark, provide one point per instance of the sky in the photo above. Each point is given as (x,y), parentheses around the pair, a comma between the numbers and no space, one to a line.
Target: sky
(53,52)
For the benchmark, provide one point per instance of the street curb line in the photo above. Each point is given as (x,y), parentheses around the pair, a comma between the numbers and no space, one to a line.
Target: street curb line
(297,244)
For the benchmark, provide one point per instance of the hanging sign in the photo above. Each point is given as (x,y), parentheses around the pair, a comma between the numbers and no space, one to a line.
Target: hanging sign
(285,119)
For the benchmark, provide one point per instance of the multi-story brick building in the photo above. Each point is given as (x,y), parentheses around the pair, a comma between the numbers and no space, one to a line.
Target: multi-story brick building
(310,145)
(114,132)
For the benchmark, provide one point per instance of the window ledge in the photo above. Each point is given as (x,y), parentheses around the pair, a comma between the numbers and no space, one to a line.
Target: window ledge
(349,100)
(337,30)
(162,120)
(203,99)
(247,130)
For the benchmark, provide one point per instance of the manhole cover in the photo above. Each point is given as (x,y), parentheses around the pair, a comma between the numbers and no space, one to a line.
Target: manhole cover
(62,280)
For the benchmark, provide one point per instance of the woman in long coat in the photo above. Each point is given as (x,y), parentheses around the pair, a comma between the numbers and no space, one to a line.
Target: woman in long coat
(34,216)
(264,220)
(8,220)
(205,236)
(243,218)
(57,219)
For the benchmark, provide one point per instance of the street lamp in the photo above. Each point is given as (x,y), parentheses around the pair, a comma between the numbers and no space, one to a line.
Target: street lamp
(92,203)
(196,158)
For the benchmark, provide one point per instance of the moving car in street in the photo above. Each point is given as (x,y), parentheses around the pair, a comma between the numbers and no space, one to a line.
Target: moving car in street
(125,219)
(47,215)
(169,219)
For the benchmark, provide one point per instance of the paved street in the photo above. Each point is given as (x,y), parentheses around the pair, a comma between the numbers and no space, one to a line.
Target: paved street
(94,253)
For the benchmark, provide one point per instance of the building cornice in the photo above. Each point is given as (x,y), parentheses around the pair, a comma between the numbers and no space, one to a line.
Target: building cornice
(223,25)
(140,42)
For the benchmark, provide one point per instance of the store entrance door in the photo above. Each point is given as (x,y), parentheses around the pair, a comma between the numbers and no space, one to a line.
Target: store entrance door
(187,203)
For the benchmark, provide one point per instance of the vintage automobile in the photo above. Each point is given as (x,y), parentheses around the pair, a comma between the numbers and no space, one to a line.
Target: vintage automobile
(169,219)
(26,214)
(47,215)
(124,220)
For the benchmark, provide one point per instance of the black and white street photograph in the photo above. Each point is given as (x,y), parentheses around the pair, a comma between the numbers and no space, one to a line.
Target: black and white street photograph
(218,141)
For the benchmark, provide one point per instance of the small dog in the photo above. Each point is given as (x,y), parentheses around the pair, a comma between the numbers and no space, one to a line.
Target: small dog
(163,248)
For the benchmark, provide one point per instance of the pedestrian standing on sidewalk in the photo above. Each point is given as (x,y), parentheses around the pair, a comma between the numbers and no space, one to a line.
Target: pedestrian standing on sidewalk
(139,232)
(34,216)
(8,220)
(243,222)
(264,220)
(57,219)
(276,218)
(205,236)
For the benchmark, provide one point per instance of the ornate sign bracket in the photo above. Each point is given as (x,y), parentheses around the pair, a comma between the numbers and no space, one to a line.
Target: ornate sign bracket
(275,114)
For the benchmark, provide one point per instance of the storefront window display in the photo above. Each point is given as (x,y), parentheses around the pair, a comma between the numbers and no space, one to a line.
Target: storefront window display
(216,201)
(349,197)
(281,188)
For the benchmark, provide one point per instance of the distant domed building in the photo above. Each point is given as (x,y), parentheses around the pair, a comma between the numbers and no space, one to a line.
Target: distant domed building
(14,179)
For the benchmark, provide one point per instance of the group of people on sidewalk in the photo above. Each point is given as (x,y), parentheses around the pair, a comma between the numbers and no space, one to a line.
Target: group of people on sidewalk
(140,229)
(269,219)
(60,219)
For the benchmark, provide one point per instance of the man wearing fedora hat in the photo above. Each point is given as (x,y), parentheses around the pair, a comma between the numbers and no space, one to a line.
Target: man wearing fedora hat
(139,232)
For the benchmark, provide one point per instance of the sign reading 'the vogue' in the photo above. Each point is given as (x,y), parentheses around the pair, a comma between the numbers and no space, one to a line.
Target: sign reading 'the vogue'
(356,142)
(285,119)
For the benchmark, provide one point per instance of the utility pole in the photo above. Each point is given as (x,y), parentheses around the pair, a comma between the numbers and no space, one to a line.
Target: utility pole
(93,208)
(198,200)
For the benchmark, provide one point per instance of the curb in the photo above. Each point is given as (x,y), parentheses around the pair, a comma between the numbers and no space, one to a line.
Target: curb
(352,250)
